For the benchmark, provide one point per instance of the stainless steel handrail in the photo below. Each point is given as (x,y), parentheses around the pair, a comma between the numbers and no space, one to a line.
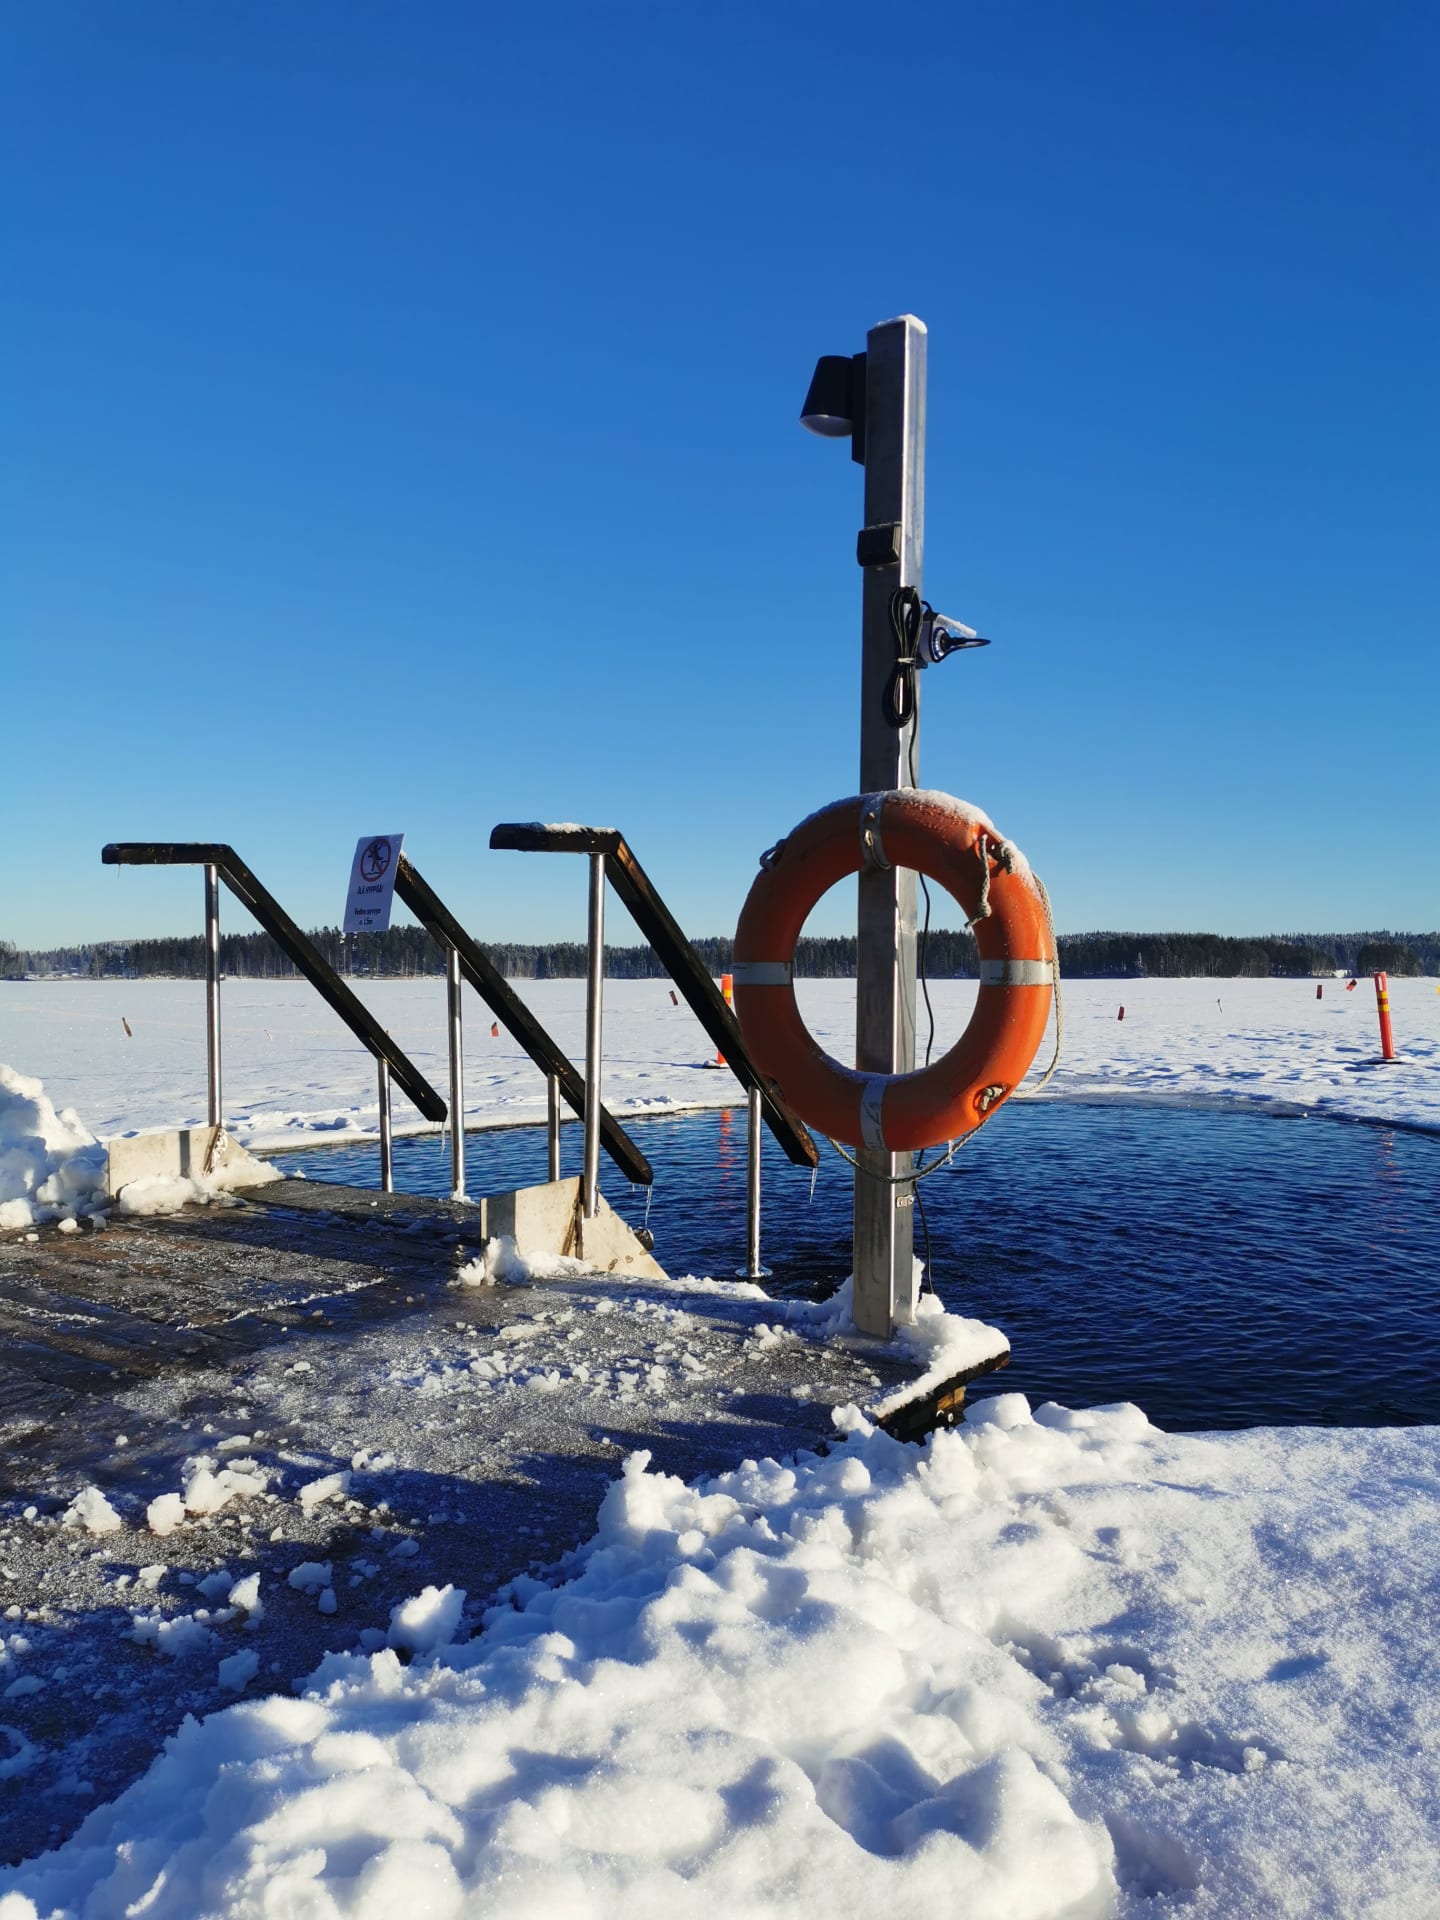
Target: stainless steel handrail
(611,857)
(221,862)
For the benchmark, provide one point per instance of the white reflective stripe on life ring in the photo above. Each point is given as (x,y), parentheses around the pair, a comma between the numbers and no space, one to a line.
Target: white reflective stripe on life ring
(761,973)
(1017,973)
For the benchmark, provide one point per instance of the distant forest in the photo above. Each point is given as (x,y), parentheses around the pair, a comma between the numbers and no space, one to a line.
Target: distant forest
(406,952)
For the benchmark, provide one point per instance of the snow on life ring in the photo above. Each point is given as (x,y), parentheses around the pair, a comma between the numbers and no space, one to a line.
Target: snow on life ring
(957,846)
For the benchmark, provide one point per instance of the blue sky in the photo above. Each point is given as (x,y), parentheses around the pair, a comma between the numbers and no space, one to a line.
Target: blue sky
(400,412)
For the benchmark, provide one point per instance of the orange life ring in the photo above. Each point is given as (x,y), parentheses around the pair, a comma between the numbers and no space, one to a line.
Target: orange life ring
(950,843)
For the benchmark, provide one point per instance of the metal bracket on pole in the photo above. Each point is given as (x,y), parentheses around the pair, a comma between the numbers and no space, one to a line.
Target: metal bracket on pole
(884,1286)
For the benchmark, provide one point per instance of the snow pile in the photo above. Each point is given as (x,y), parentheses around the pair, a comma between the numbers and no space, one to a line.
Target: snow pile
(92,1511)
(427,1620)
(168,1192)
(943,1345)
(314,1493)
(51,1166)
(501,1263)
(237,1670)
(205,1491)
(1050,1664)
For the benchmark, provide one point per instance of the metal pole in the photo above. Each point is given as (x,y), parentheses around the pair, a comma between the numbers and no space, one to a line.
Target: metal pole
(387,1162)
(593,1012)
(212,993)
(454,1023)
(753,1268)
(889,757)
(552,1122)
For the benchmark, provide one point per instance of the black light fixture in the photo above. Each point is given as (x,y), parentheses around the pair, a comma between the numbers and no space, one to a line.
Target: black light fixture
(835,404)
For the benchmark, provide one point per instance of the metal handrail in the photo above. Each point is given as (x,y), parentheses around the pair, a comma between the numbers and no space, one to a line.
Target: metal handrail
(608,850)
(221,862)
(563,1081)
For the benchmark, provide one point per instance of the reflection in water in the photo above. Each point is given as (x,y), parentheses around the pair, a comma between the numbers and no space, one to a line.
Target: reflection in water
(1222,1269)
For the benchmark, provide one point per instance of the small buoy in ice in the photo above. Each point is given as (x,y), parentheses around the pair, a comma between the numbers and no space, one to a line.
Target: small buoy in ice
(494,1029)
(1350,985)
(1121,1014)
(126,1025)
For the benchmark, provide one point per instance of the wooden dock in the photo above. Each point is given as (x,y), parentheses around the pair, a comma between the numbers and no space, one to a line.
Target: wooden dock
(322,1331)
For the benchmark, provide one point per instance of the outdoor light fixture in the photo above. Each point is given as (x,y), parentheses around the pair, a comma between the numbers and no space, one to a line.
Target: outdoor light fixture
(940,636)
(835,404)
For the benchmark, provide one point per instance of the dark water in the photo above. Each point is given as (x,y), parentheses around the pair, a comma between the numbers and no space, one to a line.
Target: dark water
(1223,1270)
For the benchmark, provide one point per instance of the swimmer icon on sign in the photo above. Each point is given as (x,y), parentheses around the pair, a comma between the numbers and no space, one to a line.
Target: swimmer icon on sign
(375,860)
(372,882)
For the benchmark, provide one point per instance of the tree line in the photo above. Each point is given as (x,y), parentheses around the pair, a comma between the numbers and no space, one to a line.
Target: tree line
(410,952)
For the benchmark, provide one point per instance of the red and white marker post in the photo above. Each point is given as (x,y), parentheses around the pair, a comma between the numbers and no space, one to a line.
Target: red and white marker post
(1382,1002)
(727,988)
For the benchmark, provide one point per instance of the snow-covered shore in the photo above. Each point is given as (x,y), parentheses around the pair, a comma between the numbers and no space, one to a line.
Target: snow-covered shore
(293,1074)
(1055,1664)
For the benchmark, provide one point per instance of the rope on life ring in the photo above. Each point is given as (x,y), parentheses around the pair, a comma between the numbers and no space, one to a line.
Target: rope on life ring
(958,847)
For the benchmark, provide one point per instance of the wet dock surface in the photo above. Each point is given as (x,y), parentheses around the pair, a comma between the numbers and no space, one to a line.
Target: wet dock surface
(360,1409)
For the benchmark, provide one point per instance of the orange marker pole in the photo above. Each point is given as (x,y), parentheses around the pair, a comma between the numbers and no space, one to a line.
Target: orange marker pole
(1319,993)
(727,989)
(1121,1014)
(1382,1001)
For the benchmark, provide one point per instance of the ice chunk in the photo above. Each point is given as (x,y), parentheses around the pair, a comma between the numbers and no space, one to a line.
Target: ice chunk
(165,1513)
(330,1486)
(427,1620)
(238,1670)
(246,1593)
(92,1511)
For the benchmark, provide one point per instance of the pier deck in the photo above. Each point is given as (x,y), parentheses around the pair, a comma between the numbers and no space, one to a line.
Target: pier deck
(318,1331)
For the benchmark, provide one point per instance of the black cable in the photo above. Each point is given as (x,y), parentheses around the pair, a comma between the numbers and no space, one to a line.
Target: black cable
(927,1283)
(906,615)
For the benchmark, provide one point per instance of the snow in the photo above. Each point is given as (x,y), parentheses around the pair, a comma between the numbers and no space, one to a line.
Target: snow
(294,1075)
(1053,1663)
(165,1513)
(51,1166)
(330,1486)
(245,1594)
(92,1511)
(428,1620)
(943,1345)
(237,1670)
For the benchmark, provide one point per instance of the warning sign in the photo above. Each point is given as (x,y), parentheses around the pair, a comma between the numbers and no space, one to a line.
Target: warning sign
(372,883)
